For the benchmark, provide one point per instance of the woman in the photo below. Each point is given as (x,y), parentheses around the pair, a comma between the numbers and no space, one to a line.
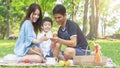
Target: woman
(27,42)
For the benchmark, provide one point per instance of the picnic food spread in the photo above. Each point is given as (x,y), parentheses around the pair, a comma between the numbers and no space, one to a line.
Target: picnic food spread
(64,63)
(61,63)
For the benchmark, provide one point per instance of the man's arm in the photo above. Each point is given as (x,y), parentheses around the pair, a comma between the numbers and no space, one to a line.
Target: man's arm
(70,43)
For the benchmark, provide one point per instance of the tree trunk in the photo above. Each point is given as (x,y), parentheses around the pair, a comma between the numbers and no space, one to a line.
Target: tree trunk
(8,19)
(14,23)
(3,32)
(91,34)
(74,10)
(97,18)
(94,20)
(104,28)
(85,17)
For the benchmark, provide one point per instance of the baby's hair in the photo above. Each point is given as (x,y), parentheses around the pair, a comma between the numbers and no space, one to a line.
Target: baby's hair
(47,19)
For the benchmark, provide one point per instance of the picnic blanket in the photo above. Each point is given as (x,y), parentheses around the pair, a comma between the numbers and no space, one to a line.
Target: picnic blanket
(2,63)
(11,60)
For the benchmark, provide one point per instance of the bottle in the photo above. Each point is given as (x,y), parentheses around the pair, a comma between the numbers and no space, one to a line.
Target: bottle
(97,54)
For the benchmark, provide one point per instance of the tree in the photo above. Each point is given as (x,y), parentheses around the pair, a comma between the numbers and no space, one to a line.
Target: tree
(91,34)
(97,18)
(85,17)
(3,12)
(94,20)
(75,7)
(5,18)
(108,15)
(8,18)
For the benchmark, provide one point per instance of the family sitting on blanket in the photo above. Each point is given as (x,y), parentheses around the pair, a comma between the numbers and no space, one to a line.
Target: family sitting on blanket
(46,44)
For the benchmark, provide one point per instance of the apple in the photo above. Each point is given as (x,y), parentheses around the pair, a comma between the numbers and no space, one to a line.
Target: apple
(26,61)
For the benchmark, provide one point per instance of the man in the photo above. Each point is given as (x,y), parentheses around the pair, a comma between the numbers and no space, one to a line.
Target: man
(69,34)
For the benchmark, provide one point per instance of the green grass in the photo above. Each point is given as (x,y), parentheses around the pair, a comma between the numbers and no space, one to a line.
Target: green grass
(6,47)
(110,49)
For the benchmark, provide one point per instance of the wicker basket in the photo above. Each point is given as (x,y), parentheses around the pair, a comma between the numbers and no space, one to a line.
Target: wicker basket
(88,61)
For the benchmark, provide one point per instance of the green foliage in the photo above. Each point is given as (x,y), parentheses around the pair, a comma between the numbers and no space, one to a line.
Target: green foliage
(118,31)
(18,10)
(69,6)
(3,11)
(1,20)
(47,6)
(107,13)
(117,7)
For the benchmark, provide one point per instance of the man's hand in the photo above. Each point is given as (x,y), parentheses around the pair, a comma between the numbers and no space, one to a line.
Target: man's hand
(54,39)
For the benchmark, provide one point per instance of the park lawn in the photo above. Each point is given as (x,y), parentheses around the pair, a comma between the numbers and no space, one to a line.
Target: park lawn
(109,48)
(6,47)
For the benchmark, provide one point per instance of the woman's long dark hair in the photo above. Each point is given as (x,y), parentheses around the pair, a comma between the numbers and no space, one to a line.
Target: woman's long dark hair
(32,8)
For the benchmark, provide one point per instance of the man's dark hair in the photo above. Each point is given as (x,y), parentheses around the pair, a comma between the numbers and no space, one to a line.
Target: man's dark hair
(59,9)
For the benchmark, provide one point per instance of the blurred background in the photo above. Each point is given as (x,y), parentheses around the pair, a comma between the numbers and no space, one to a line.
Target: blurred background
(96,18)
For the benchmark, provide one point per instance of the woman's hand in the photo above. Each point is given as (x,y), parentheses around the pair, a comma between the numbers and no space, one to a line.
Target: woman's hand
(44,38)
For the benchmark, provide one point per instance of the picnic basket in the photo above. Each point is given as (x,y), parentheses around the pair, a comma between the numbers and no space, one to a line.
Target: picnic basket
(88,60)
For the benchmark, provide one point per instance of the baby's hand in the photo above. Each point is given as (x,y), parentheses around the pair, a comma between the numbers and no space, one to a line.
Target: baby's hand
(49,34)
(45,38)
